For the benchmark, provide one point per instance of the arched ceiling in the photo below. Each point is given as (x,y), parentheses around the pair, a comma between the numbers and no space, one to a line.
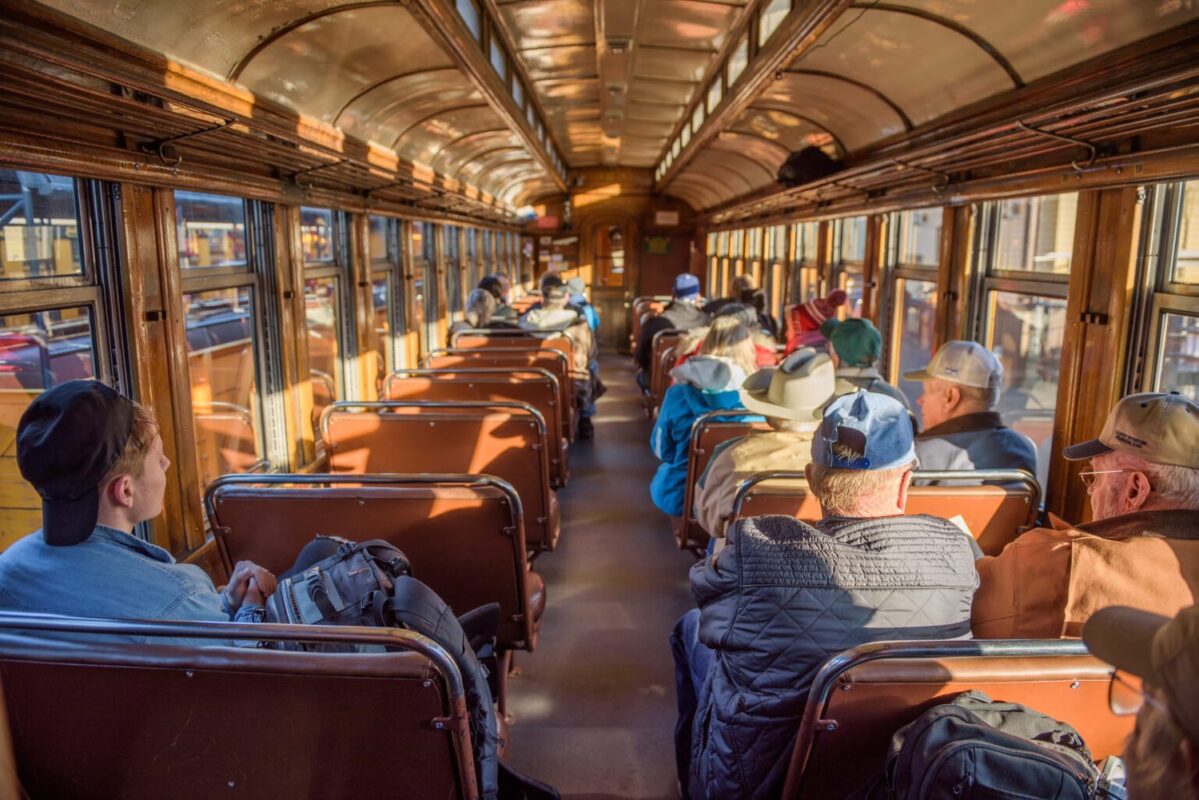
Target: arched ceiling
(617,80)
(368,68)
(884,68)
(614,76)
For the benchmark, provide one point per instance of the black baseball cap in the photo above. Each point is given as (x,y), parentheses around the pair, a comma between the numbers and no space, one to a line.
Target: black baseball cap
(67,441)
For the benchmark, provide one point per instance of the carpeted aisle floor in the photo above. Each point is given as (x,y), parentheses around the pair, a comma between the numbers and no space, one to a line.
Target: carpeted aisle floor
(594,707)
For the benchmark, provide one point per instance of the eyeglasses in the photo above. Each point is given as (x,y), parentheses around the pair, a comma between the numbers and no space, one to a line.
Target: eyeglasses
(1088,478)
(1126,695)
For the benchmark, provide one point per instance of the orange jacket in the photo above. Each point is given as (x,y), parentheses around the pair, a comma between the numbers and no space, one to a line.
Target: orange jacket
(1049,581)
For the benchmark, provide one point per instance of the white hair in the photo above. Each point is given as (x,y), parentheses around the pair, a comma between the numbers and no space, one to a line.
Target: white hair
(1179,485)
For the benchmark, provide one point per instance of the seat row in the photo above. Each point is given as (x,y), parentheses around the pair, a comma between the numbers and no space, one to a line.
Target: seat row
(457,466)
(410,704)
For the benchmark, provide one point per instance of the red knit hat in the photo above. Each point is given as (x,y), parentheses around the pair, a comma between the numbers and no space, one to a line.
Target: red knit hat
(813,313)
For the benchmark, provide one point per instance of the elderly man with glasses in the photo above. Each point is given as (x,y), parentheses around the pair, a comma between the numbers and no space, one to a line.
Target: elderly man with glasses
(1157,662)
(1141,549)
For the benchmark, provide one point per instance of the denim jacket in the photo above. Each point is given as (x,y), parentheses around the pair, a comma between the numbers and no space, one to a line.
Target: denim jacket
(113,575)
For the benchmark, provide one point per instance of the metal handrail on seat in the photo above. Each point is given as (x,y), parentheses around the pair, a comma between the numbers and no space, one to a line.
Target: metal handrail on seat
(457,722)
(835,666)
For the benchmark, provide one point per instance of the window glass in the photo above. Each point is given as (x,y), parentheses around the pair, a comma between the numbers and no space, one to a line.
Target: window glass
(211,230)
(685,135)
(738,59)
(770,17)
(37,351)
(518,92)
(224,390)
(697,118)
(39,226)
(428,303)
(531,114)
(1186,255)
(675,148)
(381,316)
(809,233)
(715,92)
(1026,335)
(853,240)
(316,232)
(381,238)
(1178,356)
(854,286)
(722,243)
(1036,234)
(324,343)
(498,62)
(469,11)
(919,237)
(916,322)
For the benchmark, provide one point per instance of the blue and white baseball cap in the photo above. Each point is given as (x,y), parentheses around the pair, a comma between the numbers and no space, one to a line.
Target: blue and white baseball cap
(686,285)
(875,425)
(967,363)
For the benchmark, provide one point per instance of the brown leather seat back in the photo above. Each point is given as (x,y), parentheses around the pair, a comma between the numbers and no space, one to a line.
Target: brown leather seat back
(708,432)
(473,340)
(869,702)
(536,388)
(508,441)
(662,362)
(994,514)
(225,440)
(552,361)
(464,536)
(145,722)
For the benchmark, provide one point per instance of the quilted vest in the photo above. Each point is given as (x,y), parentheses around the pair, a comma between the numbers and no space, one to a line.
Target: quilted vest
(780,599)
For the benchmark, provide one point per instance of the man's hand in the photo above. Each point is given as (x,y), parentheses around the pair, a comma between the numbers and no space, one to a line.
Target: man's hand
(245,575)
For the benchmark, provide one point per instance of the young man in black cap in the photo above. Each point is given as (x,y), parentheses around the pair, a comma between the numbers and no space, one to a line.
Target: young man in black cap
(1162,757)
(96,459)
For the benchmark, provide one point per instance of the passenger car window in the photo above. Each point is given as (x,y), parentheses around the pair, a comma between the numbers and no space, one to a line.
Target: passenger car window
(316,231)
(210,229)
(37,351)
(39,226)
(1178,355)
(222,363)
(321,296)
(1036,234)
(1186,250)
(916,323)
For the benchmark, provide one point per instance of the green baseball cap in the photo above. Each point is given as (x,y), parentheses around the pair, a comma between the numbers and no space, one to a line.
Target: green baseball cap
(857,342)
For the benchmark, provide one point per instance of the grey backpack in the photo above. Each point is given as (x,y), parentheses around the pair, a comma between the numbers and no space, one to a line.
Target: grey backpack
(974,747)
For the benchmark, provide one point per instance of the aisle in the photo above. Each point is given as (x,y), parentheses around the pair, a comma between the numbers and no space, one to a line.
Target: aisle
(595,706)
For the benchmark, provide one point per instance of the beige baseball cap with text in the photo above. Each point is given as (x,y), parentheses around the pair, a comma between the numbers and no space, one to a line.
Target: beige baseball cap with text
(960,361)
(1160,427)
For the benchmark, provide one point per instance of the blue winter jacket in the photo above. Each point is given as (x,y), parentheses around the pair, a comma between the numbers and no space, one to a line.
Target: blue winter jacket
(704,383)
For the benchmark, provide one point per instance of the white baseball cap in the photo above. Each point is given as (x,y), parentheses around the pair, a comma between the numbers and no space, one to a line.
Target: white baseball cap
(967,363)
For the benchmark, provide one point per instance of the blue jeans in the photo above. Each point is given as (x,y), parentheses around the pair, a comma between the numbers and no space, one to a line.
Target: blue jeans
(692,662)
(643,380)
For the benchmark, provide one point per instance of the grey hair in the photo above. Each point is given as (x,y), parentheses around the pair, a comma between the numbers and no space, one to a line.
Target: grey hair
(988,397)
(1179,485)
(480,305)
(855,492)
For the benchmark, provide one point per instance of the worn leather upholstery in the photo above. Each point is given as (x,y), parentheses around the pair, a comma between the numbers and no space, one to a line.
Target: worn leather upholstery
(994,514)
(552,361)
(465,541)
(146,722)
(706,436)
(506,442)
(871,701)
(663,362)
(473,340)
(537,388)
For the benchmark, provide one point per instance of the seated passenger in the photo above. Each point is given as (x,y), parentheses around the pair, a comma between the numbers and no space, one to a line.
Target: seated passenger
(499,287)
(1162,757)
(578,300)
(683,313)
(1141,550)
(791,398)
(856,346)
(804,320)
(962,429)
(552,313)
(707,382)
(741,289)
(96,459)
(783,596)
(479,315)
(765,354)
